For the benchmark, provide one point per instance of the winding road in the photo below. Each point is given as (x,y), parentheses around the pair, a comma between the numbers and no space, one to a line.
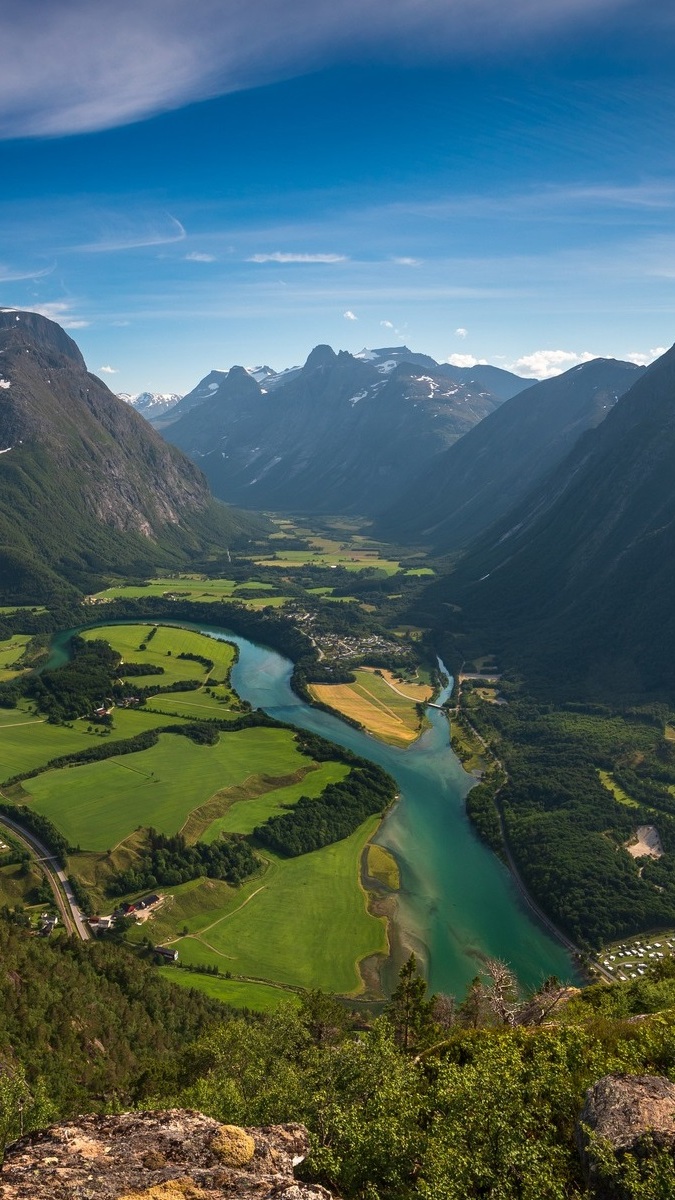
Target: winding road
(57,879)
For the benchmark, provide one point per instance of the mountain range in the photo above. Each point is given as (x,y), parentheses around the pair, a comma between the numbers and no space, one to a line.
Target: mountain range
(151,405)
(345,433)
(482,475)
(576,580)
(85,483)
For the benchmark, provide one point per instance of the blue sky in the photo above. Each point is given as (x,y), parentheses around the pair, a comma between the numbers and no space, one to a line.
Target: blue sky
(186,187)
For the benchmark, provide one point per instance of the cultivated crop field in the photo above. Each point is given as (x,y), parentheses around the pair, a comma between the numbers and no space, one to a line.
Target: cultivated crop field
(373,702)
(11,650)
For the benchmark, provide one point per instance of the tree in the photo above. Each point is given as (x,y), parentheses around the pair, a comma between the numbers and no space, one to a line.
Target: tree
(409,1011)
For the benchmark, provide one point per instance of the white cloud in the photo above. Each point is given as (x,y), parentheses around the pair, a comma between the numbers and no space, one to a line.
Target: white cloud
(109,370)
(461,332)
(643,360)
(75,66)
(465,360)
(280,256)
(544,364)
(197,256)
(386,324)
(407,262)
(135,237)
(13,274)
(349,315)
(59,311)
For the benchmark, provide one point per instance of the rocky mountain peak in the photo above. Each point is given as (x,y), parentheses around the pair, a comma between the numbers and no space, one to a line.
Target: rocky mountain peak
(321,356)
(31,331)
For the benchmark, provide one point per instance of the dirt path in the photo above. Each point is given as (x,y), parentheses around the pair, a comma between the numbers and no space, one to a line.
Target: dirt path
(234,910)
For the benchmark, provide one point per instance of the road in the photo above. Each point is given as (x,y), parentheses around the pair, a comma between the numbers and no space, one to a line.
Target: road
(67,905)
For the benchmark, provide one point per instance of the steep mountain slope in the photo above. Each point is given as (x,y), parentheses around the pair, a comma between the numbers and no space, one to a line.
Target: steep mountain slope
(85,483)
(343,435)
(577,582)
(478,479)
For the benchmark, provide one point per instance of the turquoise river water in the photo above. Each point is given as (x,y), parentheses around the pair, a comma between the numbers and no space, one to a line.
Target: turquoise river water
(458,903)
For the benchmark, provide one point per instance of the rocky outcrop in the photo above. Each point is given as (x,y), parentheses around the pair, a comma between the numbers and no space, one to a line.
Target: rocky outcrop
(632,1114)
(173,1155)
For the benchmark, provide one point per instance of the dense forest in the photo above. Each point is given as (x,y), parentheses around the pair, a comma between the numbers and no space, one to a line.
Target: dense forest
(565,825)
(433,1099)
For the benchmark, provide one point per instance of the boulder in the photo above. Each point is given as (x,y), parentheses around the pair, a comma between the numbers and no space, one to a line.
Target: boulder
(633,1114)
(172,1155)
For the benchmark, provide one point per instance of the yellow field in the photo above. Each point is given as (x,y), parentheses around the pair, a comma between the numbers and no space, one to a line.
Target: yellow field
(412,691)
(618,793)
(372,702)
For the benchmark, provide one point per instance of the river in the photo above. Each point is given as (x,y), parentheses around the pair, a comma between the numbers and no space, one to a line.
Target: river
(458,903)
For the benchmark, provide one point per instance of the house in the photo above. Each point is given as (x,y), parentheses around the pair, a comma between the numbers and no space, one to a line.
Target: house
(167,952)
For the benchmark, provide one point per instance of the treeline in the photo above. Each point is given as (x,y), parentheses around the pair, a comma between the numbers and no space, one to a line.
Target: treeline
(332,816)
(168,861)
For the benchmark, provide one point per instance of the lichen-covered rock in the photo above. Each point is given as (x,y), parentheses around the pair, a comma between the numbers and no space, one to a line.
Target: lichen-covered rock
(173,1155)
(633,1114)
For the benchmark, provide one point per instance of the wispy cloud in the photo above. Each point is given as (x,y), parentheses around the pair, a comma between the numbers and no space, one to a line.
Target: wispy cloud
(136,238)
(386,324)
(14,274)
(280,256)
(197,256)
(74,66)
(407,262)
(349,315)
(461,332)
(109,370)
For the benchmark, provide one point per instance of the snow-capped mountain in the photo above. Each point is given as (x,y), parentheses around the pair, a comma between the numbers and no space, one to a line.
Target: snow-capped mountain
(151,404)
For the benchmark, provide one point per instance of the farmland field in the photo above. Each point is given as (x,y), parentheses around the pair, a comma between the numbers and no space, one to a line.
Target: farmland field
(11,651)
(97,805)
(188,587)
(304,922)
(372,701)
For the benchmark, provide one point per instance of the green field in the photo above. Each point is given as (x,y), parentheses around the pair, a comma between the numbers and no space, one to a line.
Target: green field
(99,804)
(304,922)
(11,650)
(195,587)
(260,997)
(163,649)
(245,814)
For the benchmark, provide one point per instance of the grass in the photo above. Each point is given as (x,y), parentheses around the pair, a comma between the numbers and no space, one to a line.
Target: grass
(618,793)
(11,650)
(382,865)
(351,561)
(468,749)
(16,884)
(260,997)
(304,922)
(187,587)
(371,700)
(99,804)
(164,648)
(246,812)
